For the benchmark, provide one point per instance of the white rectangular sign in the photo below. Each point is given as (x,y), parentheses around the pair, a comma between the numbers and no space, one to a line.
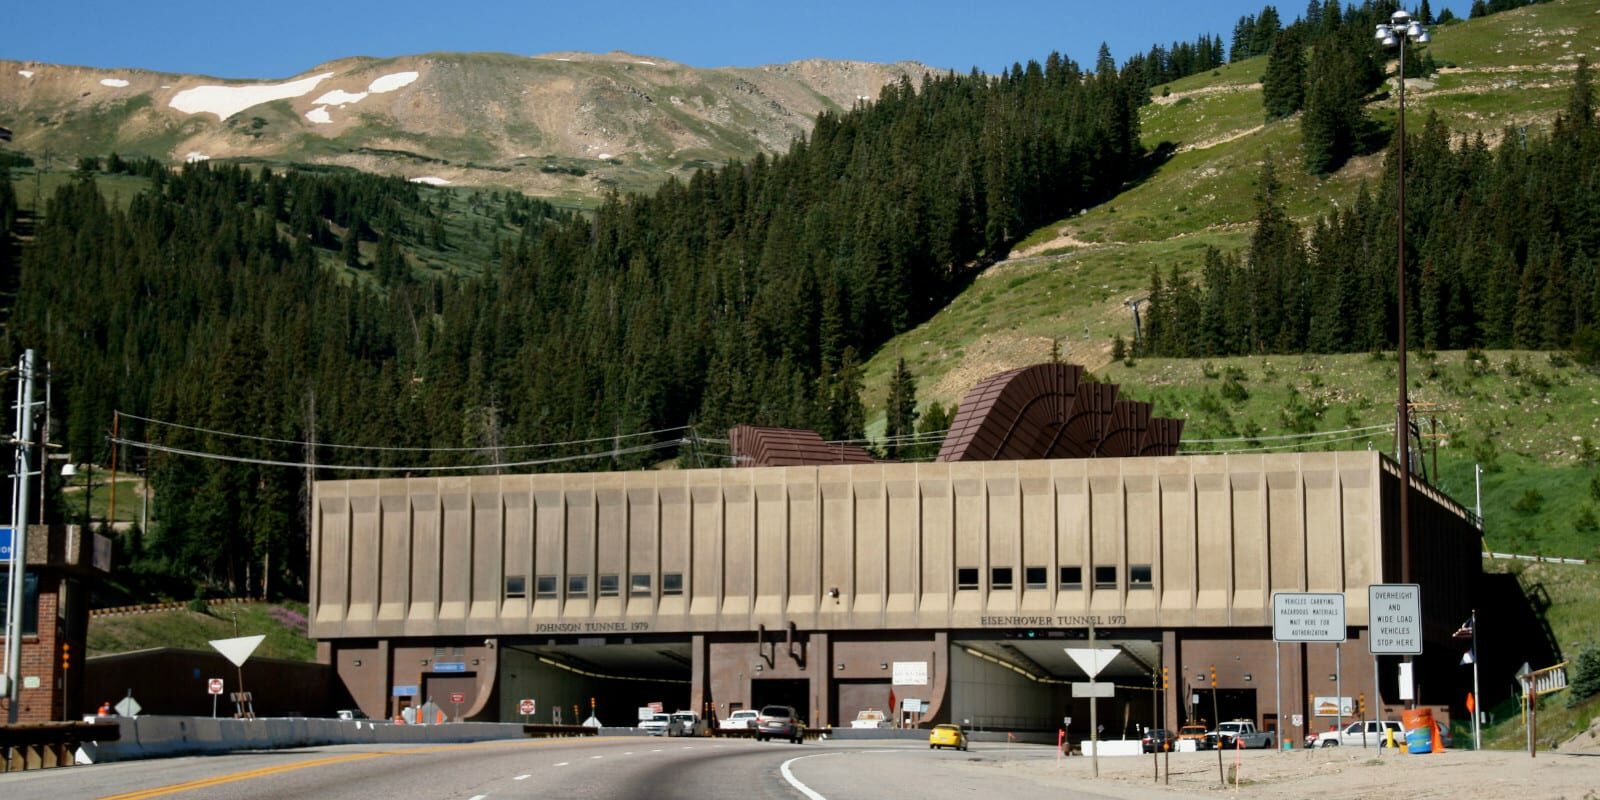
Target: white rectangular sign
(1087,689)
(910,673)
(1396,619)
(1308,617)
(1333,706)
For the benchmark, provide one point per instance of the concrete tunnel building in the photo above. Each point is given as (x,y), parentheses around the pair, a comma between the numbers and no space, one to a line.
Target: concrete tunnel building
(836,584)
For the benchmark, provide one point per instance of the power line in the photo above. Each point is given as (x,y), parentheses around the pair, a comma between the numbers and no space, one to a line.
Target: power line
(160,448)
(381,448)
(1287,446)
(1288,435)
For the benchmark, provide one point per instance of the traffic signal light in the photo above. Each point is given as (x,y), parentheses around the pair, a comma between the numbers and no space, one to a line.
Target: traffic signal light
(1213,676)
(66,655)
(1361,704)
(1164,682)
(591,705)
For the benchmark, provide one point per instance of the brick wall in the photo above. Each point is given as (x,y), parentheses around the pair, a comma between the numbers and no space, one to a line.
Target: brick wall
(41,659)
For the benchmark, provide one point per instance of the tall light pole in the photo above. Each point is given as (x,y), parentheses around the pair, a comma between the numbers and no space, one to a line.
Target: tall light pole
(1402,27)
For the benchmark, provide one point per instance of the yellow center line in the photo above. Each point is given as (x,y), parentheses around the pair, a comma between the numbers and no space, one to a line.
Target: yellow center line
(202,783)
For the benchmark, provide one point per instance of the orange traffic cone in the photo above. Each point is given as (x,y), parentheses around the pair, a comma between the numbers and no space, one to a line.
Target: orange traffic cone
(1438,741)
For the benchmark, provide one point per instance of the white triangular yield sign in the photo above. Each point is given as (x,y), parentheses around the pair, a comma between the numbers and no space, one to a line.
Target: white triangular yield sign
(237,650)
(1092,660)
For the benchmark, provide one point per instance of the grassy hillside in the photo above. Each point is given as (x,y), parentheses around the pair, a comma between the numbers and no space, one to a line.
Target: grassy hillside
(1529,418)
(284,625)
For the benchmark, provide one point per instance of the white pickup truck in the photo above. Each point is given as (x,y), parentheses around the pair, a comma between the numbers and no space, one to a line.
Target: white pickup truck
(1361,733)
(1242,732)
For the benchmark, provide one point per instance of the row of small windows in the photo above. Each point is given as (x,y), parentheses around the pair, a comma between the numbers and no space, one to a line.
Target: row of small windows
(610,585)
(1105,577)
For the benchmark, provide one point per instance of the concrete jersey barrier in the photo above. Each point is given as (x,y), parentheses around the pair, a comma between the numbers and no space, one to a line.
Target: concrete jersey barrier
(162,736)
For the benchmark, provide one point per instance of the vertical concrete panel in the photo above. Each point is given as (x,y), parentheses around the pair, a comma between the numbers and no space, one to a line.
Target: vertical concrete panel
(578,536)
(331,557)
(611,547)
(1324,541)
(1214,556)
(739,559)
(364,554)
(905,518)
(394,576)
(1249,541)
(702,582)
(455,585)
(1107,531)
(805,571)
(1071,481)
(1286,520)
(937,570)
(1038,535)
(426,556)
(971,539)
(488,559)
(1003,545)
(677,545)
(517,500)
(1359,514)
(1176,565)
(838,547)
(549,545)
(871,531)
(644,543)
(771,503)
(1141,537)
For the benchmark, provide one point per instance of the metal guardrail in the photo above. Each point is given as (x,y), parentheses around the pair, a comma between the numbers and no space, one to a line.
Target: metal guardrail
(1541,559)
(41,745)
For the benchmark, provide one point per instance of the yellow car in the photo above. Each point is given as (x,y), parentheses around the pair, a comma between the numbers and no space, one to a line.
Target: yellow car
(947,736)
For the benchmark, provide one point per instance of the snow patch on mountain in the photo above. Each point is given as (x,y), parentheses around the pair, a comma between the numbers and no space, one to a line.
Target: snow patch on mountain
(389,83)
(431,181)
(195,157)
(26,73)
(115,83)
(319,115)
(225,101)
(340,97)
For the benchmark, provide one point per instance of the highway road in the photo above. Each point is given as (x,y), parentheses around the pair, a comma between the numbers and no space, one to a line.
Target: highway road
(582,769)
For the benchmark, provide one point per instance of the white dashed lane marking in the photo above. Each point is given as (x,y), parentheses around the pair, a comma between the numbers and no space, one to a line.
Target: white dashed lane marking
(591,758)
(522,777)
(562,764)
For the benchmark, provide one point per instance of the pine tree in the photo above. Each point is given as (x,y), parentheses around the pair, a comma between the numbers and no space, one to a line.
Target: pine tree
(1333,108)
(900,409)
(1283,86)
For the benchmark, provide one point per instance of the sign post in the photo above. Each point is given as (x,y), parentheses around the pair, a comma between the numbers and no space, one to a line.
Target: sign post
(214,688)
(456,699)
(238,650)
(1394,627)
(1092,660)
(1304,617)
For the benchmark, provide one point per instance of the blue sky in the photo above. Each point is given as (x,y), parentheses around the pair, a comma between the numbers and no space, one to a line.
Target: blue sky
(286,37)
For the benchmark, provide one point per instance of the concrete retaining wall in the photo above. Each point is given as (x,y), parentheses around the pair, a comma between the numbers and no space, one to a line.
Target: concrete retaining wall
(161,736)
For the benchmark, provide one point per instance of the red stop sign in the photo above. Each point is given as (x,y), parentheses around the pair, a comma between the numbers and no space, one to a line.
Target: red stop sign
(458,697)
(527,707)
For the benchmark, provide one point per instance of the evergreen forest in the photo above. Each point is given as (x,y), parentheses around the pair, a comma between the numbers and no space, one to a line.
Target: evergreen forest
(238,301)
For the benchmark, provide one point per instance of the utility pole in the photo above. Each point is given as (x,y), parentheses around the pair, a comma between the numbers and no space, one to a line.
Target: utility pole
(22,441)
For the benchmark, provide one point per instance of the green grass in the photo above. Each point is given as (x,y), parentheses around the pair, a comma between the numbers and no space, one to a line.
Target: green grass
(192,630)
